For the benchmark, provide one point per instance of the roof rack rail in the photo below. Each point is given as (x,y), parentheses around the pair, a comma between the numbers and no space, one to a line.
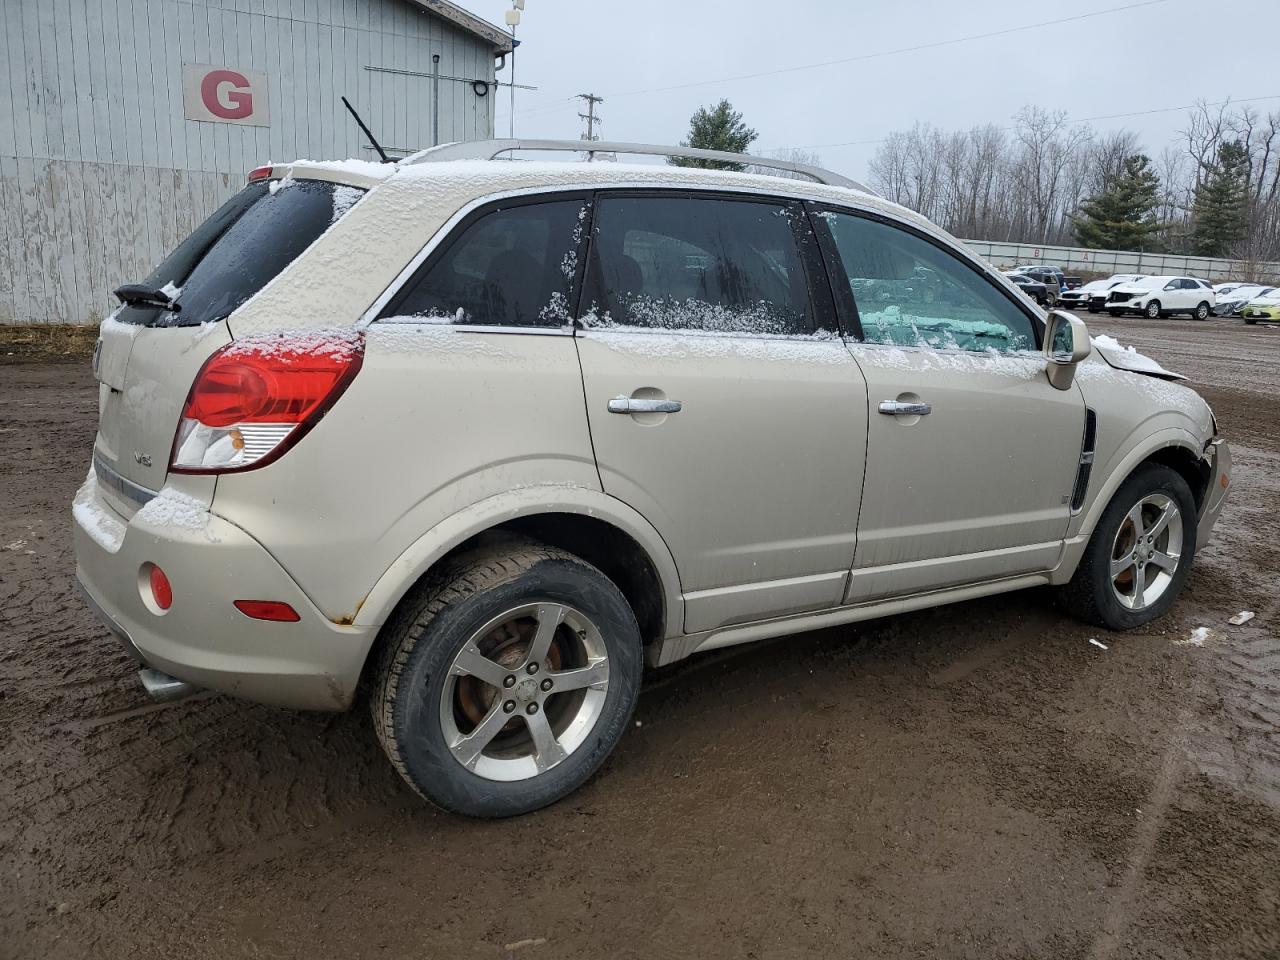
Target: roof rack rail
(490,149)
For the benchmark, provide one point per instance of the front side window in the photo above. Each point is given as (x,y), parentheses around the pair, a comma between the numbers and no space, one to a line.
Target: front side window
(696,263)
(511,266)
(912,293)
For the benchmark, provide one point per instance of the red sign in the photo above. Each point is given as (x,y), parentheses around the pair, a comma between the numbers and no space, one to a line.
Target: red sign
(223,95)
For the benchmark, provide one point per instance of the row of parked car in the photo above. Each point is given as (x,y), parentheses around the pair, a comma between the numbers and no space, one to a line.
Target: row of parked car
(1150,296)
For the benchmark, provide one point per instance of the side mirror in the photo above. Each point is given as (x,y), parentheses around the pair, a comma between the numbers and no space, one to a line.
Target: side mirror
(1066,343)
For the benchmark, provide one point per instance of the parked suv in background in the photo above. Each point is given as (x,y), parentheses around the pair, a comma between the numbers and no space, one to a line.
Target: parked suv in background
(1051,277)
(484,438)
(1162,297)
(1034,289)
(1093,295)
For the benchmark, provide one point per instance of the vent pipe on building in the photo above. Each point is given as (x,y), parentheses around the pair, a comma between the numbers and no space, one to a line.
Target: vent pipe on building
(435,99)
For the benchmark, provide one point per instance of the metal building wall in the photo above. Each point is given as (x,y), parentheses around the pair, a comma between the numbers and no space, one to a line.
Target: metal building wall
(101,174)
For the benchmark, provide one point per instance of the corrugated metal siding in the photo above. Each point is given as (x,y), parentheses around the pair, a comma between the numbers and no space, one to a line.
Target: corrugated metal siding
(101,174)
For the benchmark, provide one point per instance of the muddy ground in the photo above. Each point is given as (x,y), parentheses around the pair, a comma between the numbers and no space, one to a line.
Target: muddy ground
(977,781)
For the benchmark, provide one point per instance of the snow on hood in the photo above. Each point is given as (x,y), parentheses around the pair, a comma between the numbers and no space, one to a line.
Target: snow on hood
(1127,358)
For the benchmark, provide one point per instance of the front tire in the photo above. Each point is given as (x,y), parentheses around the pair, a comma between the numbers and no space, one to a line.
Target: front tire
(1139,554)
(1153,310)
(505,683)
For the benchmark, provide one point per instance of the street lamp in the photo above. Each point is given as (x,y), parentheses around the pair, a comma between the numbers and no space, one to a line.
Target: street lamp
(513,21)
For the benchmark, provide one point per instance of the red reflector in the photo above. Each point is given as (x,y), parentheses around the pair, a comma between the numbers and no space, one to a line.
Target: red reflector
(268,610)
(258,173)
(161,589)
(271,381)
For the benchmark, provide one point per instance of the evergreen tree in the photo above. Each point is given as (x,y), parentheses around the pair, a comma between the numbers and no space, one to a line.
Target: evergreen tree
(720,128)
(1122,215)
(1221,203)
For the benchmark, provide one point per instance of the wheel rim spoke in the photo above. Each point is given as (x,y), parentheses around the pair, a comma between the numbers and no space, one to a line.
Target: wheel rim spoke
(1162,521)
(469,747)
(1135,517)
(1165,561)
(471,662)
(547,749)
(550,615)
(1126,562)
(595,674)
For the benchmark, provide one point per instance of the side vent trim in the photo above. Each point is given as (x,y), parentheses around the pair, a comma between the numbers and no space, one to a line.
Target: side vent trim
(1086,460)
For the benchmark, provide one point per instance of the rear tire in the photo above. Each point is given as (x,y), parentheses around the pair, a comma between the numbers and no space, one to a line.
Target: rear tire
(1092,308)
(1250,321)
(1153,310)
(1123,580)
(1116,313)
(476,703)
(1202,311)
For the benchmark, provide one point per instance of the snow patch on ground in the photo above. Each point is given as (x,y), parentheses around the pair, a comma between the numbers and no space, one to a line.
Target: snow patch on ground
(103,526)
(1199,637)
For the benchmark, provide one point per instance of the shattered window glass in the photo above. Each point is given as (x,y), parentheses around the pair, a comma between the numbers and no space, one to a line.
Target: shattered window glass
(912,293)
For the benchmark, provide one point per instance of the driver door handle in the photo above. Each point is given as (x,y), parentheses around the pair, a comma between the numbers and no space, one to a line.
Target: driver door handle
(896,408)
(643,405)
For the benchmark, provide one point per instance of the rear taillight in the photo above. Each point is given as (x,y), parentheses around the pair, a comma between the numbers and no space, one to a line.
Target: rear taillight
(258,173)
(254,399)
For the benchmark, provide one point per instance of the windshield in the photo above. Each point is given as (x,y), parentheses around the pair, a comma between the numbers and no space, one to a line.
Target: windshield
(238,250)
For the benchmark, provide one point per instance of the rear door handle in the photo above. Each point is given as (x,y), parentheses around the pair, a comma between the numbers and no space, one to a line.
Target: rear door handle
(896,408)
(643,405)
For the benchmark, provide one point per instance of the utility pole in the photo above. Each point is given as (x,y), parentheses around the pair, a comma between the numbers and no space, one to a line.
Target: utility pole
(590,116)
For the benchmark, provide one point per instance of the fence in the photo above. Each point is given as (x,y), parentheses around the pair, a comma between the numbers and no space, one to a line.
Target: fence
(1080,260)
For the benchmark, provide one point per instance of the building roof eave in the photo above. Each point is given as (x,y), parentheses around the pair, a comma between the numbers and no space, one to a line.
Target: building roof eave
(495,36)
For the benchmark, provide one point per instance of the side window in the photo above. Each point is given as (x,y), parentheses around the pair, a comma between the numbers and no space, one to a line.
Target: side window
(1172,285)
(912,293)
(692,263)
(512,266)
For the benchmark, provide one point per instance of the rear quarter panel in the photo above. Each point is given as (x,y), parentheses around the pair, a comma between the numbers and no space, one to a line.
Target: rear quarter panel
(436,420)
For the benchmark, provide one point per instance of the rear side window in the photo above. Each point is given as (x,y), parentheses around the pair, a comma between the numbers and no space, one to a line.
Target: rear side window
(912,293)
(694,263)
(243,246)
(512,266)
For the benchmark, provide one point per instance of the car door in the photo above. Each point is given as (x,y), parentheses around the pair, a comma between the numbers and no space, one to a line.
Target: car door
(971,453)
(1175,296)
(719,409)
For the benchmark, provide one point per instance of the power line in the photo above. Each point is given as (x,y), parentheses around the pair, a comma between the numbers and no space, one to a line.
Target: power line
(932,45)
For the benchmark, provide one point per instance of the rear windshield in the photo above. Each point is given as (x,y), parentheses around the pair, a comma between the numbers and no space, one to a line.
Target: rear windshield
(241,248)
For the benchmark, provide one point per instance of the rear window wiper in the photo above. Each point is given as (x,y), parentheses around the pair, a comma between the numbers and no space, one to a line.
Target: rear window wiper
(139,293)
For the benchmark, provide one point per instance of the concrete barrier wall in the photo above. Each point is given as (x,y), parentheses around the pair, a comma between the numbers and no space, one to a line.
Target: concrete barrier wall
(1080,260)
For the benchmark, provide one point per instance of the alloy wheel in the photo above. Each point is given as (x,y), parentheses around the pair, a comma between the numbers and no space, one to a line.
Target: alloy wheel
(1146,552)
(525,691)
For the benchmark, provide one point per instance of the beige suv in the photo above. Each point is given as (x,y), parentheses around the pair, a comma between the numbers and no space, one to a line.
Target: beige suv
(484,438)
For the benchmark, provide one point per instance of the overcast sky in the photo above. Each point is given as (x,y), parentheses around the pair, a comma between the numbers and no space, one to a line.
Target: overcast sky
(1141,57)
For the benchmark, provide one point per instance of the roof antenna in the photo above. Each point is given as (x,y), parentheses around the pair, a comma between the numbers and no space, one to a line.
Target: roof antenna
(367,132)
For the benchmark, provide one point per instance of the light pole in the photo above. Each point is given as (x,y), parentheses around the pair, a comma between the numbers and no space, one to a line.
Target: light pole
(513,21)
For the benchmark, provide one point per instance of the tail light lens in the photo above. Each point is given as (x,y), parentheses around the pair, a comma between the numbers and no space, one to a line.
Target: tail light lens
(254,399)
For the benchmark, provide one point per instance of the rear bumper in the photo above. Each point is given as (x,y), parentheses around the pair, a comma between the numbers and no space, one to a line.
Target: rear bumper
(203,639)
(1219,455)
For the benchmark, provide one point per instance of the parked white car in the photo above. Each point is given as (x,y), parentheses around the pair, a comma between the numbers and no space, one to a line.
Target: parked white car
(1094,293)
(1162,297)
